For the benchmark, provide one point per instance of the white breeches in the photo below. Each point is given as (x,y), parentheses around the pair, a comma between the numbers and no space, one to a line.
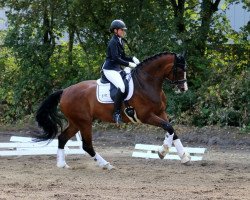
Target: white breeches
(115,78)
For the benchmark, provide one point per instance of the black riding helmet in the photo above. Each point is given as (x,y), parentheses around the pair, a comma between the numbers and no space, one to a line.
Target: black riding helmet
(117,24)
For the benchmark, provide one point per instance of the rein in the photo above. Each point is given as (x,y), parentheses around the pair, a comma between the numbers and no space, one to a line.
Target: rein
(174,71)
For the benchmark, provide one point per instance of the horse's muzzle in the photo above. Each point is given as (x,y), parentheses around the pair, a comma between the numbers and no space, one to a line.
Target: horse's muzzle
(182,87)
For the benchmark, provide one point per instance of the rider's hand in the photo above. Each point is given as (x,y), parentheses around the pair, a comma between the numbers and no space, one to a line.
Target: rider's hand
(136,61)
(131,64)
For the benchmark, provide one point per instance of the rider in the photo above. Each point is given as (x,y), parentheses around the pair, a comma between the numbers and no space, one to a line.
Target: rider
(112,66)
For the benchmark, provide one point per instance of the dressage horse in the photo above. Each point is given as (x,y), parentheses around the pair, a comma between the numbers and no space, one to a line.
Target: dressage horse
(80,106)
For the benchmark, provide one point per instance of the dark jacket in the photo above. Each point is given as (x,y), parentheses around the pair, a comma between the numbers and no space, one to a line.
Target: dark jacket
(116,55)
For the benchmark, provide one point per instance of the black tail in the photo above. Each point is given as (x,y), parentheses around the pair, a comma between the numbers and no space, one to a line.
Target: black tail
(48,118)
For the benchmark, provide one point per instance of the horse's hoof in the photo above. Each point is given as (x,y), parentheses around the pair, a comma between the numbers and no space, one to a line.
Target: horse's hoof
(63,165)
(108,166)
(162,152)
(66,166)
(189,163)
(160,155)
(186,159)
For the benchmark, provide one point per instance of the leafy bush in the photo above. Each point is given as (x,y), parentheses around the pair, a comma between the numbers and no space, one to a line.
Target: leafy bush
(224,97)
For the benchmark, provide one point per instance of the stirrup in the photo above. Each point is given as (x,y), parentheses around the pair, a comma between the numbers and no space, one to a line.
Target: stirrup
(117,118)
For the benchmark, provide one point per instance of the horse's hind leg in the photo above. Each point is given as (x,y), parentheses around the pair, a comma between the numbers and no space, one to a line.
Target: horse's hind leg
(63,138)
(86,133)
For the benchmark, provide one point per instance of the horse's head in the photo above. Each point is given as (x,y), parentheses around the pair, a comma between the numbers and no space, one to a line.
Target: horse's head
(177,76)
(163,66)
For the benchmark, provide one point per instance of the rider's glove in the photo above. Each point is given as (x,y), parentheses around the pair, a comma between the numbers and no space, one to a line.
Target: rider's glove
(131,64)
(136,61)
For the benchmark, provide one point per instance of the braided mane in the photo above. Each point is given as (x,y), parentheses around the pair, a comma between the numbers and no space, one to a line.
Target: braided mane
(153,58)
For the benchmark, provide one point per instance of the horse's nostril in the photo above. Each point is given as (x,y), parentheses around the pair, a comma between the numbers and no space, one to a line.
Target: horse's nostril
(181,87)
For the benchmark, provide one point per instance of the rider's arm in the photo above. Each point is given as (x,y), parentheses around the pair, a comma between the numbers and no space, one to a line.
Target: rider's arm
(115,55)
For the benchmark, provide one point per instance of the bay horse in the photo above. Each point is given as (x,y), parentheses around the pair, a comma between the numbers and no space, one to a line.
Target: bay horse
(80,106)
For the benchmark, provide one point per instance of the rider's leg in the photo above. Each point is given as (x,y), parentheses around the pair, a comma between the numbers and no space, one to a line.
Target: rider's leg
(119,97)
(115,78)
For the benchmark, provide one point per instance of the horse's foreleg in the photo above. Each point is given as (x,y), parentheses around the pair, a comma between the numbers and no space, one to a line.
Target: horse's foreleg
(185,156)
(69,132)
(170,137)
(86,133)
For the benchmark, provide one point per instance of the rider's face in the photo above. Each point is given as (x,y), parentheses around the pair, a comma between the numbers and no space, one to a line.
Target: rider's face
(121,33)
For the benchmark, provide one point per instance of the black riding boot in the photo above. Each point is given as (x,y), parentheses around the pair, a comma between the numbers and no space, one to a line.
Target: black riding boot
(117,106)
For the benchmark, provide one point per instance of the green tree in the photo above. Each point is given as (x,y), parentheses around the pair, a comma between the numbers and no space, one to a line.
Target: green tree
(39,61)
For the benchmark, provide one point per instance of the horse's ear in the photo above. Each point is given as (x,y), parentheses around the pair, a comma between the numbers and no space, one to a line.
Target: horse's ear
(183,59)
(184,53)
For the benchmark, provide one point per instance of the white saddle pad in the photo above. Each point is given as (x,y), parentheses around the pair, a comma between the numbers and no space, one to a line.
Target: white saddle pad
(103,93)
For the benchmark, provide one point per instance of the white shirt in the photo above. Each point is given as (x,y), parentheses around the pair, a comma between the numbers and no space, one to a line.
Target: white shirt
(120,39)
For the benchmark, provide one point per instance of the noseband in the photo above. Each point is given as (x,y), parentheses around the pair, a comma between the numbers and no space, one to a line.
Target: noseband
(182,66)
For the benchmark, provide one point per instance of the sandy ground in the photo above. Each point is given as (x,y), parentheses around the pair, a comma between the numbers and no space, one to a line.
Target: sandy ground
(224,172)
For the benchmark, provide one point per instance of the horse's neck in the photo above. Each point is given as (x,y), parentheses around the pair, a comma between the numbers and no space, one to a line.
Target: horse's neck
(148,81)
(153,73)
(153,69)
